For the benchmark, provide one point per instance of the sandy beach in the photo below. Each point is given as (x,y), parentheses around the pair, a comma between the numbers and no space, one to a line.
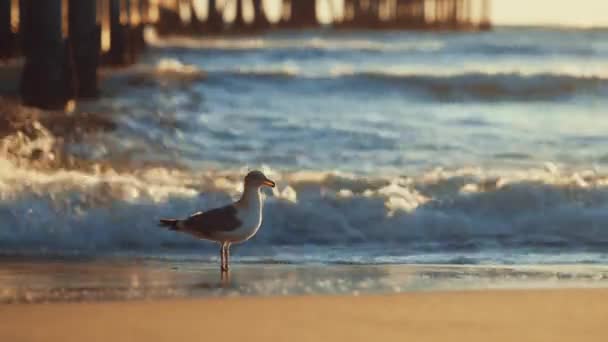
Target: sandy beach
(508,315)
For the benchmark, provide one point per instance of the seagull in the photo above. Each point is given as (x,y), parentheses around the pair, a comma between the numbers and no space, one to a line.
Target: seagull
(234,223)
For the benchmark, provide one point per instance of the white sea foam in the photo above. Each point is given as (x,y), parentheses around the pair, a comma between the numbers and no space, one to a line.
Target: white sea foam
(105,209)
(471,82)
(330,44)
(592,72)
(172,65)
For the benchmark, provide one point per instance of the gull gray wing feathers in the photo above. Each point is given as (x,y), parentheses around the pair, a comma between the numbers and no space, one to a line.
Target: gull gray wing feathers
(222,219)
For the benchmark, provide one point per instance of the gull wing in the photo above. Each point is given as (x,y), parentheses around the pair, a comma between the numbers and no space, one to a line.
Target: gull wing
(222,219)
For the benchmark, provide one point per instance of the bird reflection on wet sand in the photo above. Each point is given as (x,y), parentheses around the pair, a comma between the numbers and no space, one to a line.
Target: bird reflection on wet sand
(225,279)
(225,282)
(63,280)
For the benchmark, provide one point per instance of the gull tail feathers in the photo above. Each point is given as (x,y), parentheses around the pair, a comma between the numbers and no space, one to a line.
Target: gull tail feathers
(171,224)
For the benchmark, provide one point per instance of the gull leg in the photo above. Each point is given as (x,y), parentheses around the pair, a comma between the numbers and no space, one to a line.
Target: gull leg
(223,257)
(227,256)
(225,275)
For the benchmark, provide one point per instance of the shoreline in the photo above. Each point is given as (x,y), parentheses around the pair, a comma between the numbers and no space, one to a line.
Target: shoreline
(496,315)
(140,279)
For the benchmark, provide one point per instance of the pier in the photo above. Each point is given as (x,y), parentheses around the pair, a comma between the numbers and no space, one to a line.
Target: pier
(64,42)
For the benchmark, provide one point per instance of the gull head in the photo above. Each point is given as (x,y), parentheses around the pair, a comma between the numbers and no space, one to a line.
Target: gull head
(257,179)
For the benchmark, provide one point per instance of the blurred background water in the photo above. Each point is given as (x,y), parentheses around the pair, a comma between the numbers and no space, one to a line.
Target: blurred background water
(388,147)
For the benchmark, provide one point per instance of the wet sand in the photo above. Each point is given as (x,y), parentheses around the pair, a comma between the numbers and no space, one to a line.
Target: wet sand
(507,315)
(24,280)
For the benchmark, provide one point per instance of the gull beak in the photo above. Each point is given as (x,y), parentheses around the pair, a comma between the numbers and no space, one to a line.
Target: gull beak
(269,183)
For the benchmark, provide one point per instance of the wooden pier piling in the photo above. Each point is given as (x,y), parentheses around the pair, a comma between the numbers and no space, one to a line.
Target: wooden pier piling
(85,40)
(215,21)
(6,34)
(239,20)
(22,26)
(409,14)
(137,25)
(115,55)
(197,22)
(361,14)
(260,20)
(47,77)
(485,15)
(303,14)
(119,53)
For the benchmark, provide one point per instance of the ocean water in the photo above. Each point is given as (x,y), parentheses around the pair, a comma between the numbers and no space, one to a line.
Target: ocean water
(387,148)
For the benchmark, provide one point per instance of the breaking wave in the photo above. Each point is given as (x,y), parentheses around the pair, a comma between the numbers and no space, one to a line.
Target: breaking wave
(473,86)
(106,210)
(470,44)
(276,43)
(491,85)
(51,204)
(502,86)
(180,125)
